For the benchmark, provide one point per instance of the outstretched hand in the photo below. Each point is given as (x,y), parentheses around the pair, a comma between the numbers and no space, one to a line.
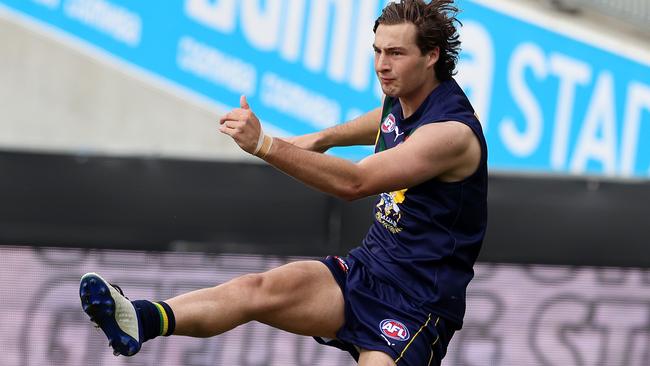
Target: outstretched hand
(242,125)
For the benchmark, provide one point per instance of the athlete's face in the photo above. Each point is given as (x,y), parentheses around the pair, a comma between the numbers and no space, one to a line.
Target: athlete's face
(401,67)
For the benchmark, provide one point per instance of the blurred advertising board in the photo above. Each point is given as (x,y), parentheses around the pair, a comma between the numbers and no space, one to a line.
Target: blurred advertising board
(553,99)
(516,315)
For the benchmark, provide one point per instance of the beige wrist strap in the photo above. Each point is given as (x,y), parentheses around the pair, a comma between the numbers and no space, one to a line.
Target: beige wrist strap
(260,141)
(265,147)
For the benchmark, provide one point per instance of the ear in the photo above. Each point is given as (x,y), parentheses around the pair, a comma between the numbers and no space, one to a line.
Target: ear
(433,56)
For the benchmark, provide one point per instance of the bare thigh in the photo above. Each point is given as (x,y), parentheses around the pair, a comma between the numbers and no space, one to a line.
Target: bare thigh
(375,358)
(300,297)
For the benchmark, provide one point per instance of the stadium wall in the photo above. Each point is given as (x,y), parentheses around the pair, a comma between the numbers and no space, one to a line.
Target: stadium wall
(58,95)
(171,204)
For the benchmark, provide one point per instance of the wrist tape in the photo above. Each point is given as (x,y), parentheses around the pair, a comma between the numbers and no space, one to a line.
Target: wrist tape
(264,144)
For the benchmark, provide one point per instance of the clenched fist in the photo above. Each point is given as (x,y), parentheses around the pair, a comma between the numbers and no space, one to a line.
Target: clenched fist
(244,127)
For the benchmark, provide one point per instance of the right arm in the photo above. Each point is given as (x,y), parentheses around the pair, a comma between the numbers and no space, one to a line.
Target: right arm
(359,131)
(447,149)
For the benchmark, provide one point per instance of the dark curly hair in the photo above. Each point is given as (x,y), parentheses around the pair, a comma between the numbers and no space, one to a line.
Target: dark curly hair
(435,23)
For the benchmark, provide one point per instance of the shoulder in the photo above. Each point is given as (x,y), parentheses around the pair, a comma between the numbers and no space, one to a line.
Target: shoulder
(451,144)
(452,133)
(447,102)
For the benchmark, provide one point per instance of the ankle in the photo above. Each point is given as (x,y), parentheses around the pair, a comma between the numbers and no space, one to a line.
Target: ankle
(156,319)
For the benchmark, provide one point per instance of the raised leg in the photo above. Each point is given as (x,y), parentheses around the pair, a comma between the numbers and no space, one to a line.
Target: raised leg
(300,297)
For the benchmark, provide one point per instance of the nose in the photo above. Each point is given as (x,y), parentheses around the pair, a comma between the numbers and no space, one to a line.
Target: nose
(381,62)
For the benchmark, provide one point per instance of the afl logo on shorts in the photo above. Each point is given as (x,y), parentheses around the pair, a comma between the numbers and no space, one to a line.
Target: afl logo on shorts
(388,125)
(394,330)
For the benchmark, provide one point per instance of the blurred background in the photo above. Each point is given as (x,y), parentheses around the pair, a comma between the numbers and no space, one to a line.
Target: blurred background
(110,161)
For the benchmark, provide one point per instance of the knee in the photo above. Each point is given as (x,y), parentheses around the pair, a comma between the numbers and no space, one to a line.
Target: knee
(253,291)
(250,283)
(264,293)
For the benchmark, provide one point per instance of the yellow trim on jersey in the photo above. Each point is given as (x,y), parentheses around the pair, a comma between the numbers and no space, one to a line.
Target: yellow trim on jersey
(164,322)
(378,134)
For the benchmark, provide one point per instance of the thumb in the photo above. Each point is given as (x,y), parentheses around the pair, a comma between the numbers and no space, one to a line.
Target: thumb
(243,102)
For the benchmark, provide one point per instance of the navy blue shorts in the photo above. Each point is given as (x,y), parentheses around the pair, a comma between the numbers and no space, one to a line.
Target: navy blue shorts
(378,317)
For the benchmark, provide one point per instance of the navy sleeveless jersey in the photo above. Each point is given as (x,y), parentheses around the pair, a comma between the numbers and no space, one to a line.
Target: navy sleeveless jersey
(425,239)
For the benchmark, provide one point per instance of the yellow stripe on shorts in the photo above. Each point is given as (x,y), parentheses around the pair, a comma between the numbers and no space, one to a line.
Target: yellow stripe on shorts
(415,336)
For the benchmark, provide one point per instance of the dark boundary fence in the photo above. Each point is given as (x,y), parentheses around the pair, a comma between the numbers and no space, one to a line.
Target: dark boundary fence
(166,204)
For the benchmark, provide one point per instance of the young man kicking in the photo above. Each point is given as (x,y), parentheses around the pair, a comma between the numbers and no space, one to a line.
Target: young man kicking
(399,297)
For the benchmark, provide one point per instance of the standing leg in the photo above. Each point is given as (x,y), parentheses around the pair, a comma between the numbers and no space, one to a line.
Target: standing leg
(375,358)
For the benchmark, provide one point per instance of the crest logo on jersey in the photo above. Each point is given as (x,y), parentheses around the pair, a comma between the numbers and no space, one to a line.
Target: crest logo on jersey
(388,212)
(395,330)
(389,124)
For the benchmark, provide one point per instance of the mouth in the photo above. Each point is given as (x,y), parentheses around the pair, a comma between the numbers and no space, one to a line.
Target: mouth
(386,80)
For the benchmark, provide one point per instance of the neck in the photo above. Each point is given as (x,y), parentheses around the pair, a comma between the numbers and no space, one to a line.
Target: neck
(411,102)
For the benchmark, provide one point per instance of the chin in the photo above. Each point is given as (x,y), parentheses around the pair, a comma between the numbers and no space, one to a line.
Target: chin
(390,92)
